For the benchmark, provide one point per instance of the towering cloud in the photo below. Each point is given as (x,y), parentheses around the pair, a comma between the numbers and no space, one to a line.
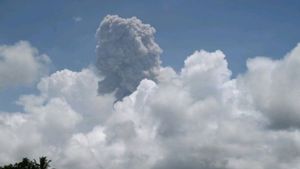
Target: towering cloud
(127,53)
(197,118)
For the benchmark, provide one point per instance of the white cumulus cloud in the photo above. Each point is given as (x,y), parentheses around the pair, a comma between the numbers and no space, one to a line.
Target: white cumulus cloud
(21,64)
(274,88)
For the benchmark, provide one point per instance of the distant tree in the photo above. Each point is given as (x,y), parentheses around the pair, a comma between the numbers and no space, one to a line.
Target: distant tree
(44,163)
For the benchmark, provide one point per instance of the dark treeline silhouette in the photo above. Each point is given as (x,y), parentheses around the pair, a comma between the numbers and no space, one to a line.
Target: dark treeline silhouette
(43,163)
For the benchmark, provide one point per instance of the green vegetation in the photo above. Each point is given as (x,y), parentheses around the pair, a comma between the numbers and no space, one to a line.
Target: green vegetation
(44,163)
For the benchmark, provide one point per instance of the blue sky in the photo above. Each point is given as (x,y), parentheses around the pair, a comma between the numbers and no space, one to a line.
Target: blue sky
(241,29)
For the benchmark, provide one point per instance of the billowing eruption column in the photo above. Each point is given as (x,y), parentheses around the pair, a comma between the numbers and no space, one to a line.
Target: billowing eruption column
(126,54)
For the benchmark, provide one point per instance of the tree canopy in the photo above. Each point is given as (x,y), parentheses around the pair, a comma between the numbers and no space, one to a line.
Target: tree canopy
(26,163)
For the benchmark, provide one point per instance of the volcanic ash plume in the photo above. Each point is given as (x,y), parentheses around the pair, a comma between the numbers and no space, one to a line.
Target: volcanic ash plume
(126,54)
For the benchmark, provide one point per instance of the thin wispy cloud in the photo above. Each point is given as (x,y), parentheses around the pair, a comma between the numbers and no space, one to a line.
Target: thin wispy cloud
(77,19)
